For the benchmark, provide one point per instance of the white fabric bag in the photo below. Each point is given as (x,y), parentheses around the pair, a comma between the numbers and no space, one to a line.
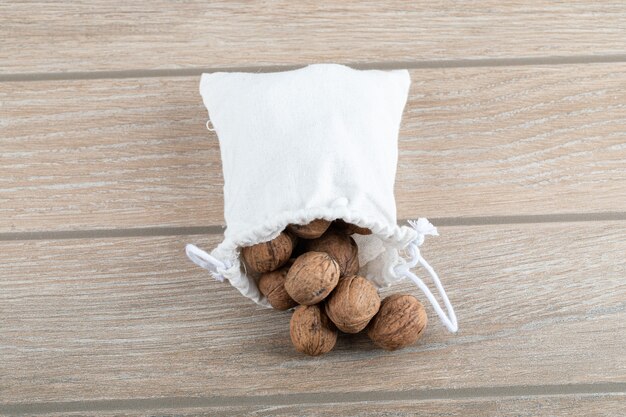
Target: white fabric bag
(316,142)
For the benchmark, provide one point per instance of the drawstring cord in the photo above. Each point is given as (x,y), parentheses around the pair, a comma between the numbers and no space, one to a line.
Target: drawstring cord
(208,262)
(423,227)
(209,126)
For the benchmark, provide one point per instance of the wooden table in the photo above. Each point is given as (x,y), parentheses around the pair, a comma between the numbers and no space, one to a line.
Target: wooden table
(513,143)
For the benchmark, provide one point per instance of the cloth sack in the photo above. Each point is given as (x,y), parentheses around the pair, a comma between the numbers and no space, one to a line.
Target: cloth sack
(320,142)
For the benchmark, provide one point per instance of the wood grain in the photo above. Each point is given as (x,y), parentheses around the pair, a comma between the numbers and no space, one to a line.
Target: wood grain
(108,154)
(119,318)
(121,35)
(589,405)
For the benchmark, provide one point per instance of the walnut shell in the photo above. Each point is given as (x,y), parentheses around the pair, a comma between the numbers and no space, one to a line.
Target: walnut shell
(400,321)
(269,256)
(272,286)
(352,304)
(312,230)
(294,239)
(312,277)
(350,228)
(311,331)
(341,247)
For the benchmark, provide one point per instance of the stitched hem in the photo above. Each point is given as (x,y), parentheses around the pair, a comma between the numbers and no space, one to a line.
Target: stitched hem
(380,270)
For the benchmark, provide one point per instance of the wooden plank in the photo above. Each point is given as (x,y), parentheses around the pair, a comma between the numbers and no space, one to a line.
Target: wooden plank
(107,154)
(589,405)
(121,35)
(474,142)
(133,318)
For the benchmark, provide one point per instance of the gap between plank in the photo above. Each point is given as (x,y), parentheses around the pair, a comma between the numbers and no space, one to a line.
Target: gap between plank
(215,230)
(387,65)
(313,398)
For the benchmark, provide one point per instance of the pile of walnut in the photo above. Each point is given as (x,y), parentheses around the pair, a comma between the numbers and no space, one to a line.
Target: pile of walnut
(314,268)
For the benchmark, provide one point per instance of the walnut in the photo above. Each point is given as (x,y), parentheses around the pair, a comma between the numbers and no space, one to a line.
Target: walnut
(352,304)
(272,286)
(341,247)
(294,239)
(400,321)
(350,228)
(312,230)
(311,331)
(312,277)
(269,256)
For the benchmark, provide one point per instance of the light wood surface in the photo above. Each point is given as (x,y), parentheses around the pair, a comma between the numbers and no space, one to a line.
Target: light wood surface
(122,35)
(589,406)
(138,320)
(598,405)
(515,126)
(474,142)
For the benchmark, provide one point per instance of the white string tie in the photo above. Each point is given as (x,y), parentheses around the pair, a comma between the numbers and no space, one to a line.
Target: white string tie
(209,126)
(215,267)
(423,227)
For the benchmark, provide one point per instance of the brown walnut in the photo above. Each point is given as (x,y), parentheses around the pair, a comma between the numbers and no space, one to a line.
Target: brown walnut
(352,304)
(341,247)
(269,256)
(350,228)
(312,230)
(311,331)
(272,286)
(400,321)
(312,277)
